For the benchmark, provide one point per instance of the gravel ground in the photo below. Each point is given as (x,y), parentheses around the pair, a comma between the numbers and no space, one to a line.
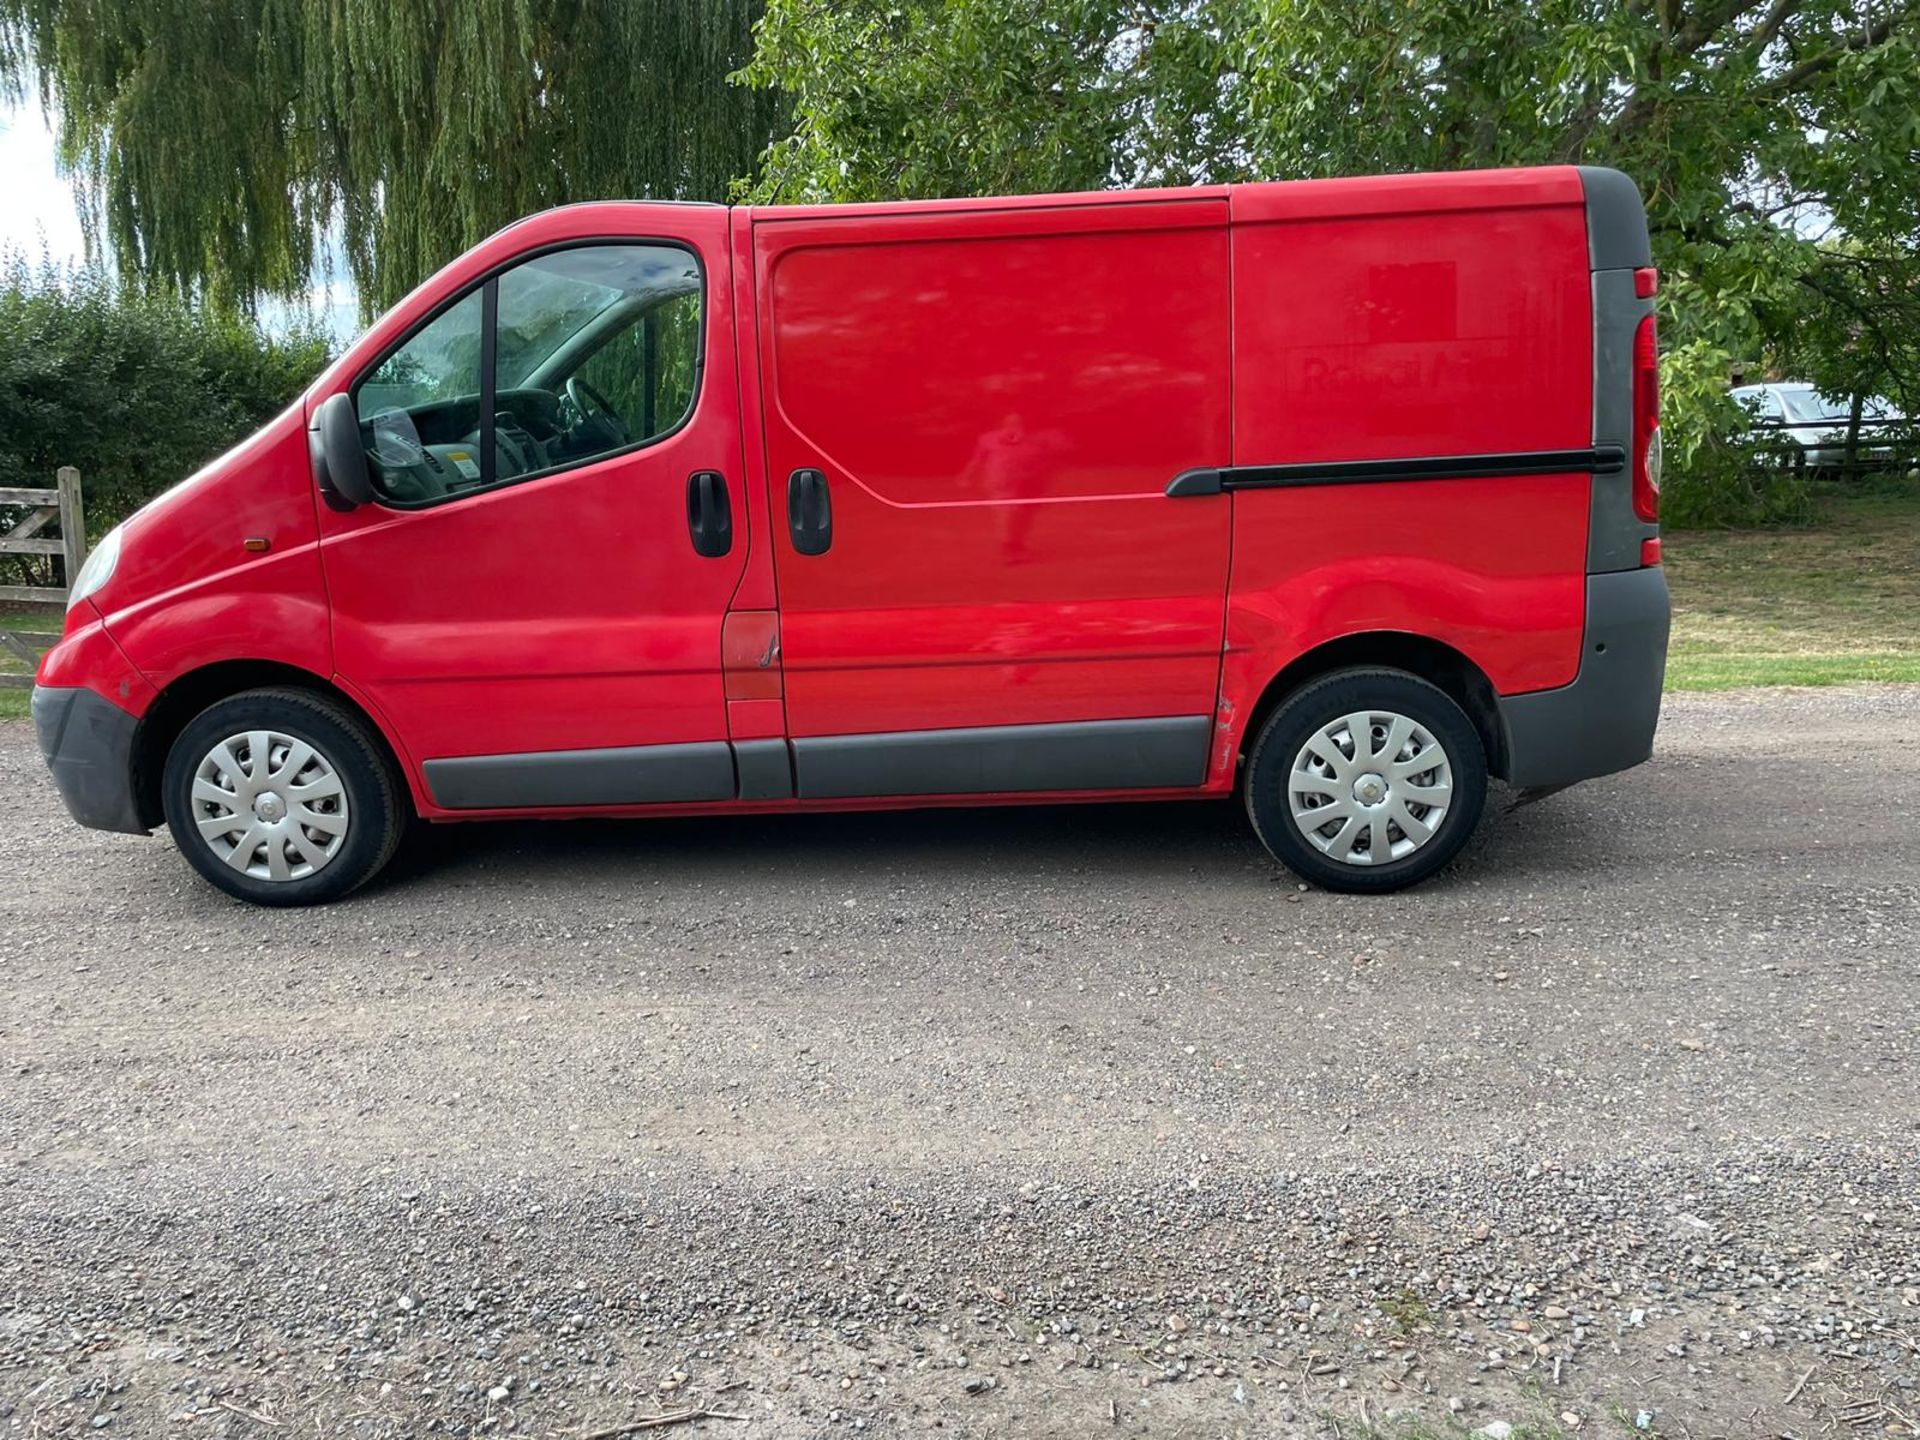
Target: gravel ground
(1020,1122)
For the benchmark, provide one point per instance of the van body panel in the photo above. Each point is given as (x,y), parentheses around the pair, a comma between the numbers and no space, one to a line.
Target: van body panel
(1407,334)
(996,400)
(1376,196)
(1382,327)
(1317,564)
(188,592)
(564,613)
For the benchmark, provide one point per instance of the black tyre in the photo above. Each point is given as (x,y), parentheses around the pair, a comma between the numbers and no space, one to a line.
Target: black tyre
(282,797)
(1396,810)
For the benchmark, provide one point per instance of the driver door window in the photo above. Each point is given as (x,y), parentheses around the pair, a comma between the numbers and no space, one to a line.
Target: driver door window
(595,350)
(645,375)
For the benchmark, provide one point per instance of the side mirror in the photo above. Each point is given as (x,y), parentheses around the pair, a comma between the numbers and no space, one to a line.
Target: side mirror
(339,461)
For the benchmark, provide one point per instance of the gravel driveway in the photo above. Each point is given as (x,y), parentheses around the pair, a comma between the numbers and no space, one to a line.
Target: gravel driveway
(1020,1122)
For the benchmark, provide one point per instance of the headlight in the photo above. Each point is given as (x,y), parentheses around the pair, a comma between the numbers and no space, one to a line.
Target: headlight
(97,569)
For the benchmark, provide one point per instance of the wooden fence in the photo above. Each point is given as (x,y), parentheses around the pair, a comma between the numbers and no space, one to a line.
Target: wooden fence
(1842,451)
(40,509)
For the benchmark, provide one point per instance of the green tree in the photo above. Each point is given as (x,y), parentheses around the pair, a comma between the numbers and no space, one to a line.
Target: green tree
(221,144)
(1777,141)
(932,98)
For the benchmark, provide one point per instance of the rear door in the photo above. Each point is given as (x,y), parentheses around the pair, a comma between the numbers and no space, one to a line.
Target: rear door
(527,604)
(972,417)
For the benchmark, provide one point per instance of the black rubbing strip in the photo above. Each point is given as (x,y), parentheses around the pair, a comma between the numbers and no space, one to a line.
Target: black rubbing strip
(1598,460)
(1195,482)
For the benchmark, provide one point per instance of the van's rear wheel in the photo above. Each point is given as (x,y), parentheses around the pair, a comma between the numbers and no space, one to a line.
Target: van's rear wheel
(1366,780)
(281,797)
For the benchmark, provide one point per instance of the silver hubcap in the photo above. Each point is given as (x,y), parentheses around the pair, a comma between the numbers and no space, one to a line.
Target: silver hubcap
(1369,788)
(270,805)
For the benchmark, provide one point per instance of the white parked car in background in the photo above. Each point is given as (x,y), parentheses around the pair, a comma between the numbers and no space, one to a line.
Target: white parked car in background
(1813,425)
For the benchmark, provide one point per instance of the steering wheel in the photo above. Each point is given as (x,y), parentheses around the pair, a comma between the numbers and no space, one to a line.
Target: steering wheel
(580,392)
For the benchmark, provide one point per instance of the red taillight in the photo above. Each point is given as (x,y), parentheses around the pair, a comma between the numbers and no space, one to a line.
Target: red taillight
(1649,553)
(1646,422)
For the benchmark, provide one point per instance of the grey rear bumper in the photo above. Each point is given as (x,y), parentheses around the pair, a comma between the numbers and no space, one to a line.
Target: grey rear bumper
(1604,721)
(88,743)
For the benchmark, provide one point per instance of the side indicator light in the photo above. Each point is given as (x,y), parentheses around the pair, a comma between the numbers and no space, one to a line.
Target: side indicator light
(256,545)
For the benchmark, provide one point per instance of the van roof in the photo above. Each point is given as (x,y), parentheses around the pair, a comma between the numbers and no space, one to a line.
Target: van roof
(1269,199)
(1254,200)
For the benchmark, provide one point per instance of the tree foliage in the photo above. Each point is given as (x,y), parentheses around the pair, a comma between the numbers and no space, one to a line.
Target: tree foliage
(983,97)
(1777,141)
(221,144)
(136,390)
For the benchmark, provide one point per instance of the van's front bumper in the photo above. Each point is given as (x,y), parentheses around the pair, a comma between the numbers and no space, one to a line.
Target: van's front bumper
(88,742)
(1604,721)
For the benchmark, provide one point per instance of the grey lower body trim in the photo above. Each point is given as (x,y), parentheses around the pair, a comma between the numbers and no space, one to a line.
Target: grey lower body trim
(765,769)
(88,745)
(1162,753)
(1604,721)
(631,775)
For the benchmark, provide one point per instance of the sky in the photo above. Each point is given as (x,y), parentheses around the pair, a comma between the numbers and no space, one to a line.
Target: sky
(38,219)
(37,214)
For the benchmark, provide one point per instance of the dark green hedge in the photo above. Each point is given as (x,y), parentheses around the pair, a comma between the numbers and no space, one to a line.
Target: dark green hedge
(136,391)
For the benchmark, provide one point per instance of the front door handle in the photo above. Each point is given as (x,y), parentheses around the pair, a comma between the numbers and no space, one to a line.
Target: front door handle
(709,514)
(809,512)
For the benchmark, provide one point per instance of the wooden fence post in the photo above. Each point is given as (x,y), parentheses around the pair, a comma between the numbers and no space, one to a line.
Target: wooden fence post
(73,521)
(41,508)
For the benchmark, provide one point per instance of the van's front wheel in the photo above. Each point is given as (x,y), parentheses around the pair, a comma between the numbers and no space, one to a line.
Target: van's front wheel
(281,797)
(1366,780)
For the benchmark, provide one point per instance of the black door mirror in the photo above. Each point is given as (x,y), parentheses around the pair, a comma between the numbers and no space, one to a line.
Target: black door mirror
(339,459)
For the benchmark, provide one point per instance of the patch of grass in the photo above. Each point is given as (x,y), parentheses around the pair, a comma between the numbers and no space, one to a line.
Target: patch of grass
(43,619)
(1408,1310)
(1826,604)
(1737,672)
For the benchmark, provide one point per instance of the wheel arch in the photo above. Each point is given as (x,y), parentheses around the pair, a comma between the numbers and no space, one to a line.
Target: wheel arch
(1432,660)
(187,695)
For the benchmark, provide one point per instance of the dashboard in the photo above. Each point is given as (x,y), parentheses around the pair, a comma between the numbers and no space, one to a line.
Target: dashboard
(433,450)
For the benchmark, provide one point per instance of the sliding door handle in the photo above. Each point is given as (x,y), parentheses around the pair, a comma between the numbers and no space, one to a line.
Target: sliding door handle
(809,512)
(709,514)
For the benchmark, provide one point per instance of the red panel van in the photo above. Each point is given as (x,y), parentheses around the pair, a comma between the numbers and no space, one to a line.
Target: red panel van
(1340,496)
